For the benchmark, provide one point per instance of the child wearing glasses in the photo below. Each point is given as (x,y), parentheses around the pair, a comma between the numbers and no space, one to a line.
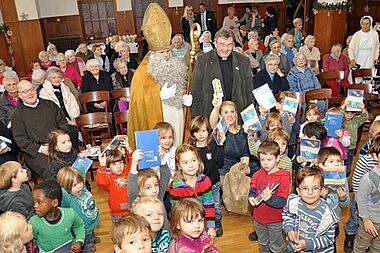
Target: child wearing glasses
(308,222)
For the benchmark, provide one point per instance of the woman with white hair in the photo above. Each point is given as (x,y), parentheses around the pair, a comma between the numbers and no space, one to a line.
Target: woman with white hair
(123,51)
(75,62)
(83,52)
(231,21)
(9,98)
(364,45)
(298,33)
(95,79)
(69,71)
(52,52)
(336,61)
(311,52)
(45,62)
(187,21)
(123,76)
(287,47)
(178,47)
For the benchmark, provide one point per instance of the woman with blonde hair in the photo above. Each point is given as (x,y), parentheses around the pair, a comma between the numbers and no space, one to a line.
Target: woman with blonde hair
(287,47)
(187,21)
(231,21)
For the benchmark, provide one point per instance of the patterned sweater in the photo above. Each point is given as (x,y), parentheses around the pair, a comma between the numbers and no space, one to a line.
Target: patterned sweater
(203,244)
(315,226)
(178,190)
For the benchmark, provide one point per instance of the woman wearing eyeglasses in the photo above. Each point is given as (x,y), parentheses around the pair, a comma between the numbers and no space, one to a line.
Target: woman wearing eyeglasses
(9,99)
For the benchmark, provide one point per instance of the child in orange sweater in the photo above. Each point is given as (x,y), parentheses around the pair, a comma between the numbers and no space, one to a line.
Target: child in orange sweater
(112,176)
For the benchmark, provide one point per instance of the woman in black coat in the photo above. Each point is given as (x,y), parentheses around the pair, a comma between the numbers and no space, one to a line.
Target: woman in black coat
(187,21)
(97,80)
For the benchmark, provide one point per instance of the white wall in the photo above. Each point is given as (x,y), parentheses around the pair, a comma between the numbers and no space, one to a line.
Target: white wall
(123,5)
(28,8)
(54,8)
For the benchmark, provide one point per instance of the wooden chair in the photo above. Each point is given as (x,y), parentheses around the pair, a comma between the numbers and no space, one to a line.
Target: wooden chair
(94,96)
(363,73)
(328,75)
(95,126)
(302,99)
(320,94)
(311,63)
(119,93)
(121,119)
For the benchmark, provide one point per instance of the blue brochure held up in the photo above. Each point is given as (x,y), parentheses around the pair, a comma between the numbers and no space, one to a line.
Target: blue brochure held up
(82,164)
(333,122)
(264,96)
(251,120)
(219,132)
(310,148)
(355,97)
(148,141)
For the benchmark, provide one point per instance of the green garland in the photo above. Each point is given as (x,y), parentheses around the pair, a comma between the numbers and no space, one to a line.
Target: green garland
(334,6)
(4,28)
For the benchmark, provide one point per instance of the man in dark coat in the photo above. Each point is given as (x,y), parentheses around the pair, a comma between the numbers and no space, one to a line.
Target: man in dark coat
(206,19)
(231,68)
(33,119)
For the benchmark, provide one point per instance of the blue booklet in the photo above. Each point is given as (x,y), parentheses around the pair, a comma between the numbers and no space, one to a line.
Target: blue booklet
(219,132)
(355,97)
(334,178)
(333,122)
(264,97)
(290,106)
(251,120)
(82,164)
(310,148)
(148,141)
(270,187)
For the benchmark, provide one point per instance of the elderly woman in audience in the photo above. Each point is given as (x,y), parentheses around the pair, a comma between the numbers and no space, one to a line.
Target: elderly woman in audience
(231,21)
(123,76)
(123,51)
(55,90)
(9,99)
(187,21)
(254,23)
(335,61)
(45,61)
(271,75)
(75,62)
(69,71)
(96,80)
(287,47)
(311,52)
(102,58)
(38,79)
(178,47)
(254,54)
(364,46)
(52,52)
(83,52)
(206,44)
(275,48)
(298,33)
(255,35)
(3,68)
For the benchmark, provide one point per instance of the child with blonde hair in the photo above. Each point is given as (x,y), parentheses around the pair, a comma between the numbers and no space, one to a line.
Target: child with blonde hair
(16,235)
(187,223)
(131,234)
(280,136)
(153,211)
(77,197)
(189,182)
(14,194)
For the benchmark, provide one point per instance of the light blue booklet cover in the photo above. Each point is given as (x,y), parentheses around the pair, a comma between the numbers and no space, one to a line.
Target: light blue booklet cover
(148,141)
(219,132)
(251,120)
(334,178)
(264,97)
(309,148)
(333,122)
(82,164)
(290,105)
(355,97)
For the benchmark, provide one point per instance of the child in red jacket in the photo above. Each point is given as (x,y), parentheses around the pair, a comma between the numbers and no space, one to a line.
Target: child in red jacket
(112,176)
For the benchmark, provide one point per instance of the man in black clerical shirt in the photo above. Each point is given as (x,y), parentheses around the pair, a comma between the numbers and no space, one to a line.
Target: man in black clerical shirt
(231,68)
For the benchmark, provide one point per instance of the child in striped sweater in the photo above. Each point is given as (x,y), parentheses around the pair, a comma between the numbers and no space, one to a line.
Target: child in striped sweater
(189,182)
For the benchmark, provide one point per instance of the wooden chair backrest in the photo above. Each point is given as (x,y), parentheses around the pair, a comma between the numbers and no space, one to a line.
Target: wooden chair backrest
(94,96)
(365,72)
(119,93)
(91,119)
(323,93)
(121,119)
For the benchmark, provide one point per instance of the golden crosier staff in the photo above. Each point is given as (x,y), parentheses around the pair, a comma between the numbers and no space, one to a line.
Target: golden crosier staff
(195,33)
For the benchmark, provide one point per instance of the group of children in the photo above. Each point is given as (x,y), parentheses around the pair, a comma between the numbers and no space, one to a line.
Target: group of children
(176,207)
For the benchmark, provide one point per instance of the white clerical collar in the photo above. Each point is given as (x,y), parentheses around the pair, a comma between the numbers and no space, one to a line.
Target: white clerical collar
(31,106)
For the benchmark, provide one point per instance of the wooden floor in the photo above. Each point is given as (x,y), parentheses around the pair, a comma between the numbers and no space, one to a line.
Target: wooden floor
(236,229)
